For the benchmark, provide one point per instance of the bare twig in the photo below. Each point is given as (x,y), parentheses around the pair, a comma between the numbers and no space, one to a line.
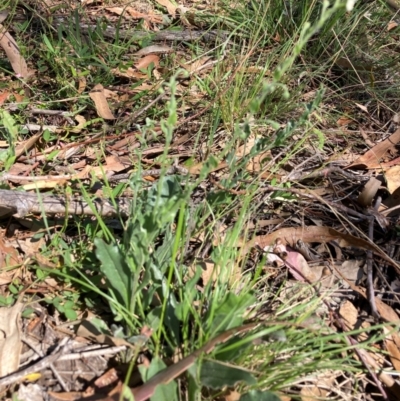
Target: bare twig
(64,385)
(370,264)
(61,349)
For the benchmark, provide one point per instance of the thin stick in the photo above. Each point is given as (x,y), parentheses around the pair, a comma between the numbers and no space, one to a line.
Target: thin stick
(370,264)
(40,365)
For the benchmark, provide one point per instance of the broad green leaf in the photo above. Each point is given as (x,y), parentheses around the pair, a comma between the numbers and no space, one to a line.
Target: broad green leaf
(168,188)
(9,124)
(163,392)
(70,314)
(216,375)
(116,271)
(255,395)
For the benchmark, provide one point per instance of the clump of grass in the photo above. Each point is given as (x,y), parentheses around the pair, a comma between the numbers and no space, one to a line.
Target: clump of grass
(148,273)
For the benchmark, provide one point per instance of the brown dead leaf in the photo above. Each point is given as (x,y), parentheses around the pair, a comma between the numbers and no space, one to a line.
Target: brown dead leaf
(145,61)
(70,396)
(113,164)
(372,158)
(10,340)
(295,261)
(392,176)
(309,234)
(169,6)
(81,84)
(107,378)
(391,25)
(344,121)
(129,73)
(229,273)
(392,348)
(99,99)
(196,65)
(3,97)
(11,49)
(23,147)
(349,314)
(8,255)
(232,395)
(351,320)
(151,17)
(316,391)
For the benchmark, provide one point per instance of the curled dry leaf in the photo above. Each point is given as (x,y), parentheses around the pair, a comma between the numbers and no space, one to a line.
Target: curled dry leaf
(154,49)
(11,49)
(295,261)
(99,99)
(369,191)
(10,340)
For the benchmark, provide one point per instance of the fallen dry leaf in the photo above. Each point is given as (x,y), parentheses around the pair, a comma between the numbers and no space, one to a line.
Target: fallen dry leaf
(392,176)
(154,49)
(169,6)
(23,147)
(10,339)
(100,101)
(129,73)
(107,378)
(295,261)
(372,158)
(319,390)
(8,255)
(145,61)
(309,234)
(4,96)
(156,19)
(11,49)
(392,347)
(369,191)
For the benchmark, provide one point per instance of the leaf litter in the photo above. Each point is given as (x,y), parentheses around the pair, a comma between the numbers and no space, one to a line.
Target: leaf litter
(314,212)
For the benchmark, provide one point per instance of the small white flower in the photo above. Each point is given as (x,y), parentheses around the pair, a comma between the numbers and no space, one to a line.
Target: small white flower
(350,4)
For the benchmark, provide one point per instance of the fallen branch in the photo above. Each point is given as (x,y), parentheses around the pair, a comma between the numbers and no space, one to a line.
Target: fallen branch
(22,203)
(186,35)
